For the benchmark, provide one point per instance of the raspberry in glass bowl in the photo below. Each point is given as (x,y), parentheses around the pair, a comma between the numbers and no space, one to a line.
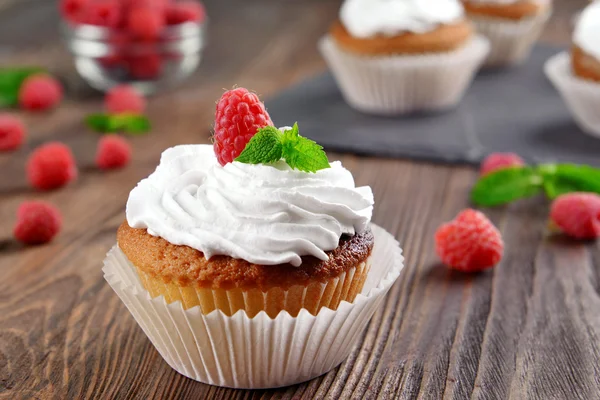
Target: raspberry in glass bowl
(150,44)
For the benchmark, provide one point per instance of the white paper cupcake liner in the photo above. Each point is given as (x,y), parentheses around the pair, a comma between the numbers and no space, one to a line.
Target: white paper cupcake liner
(258,352)
(581,96)
(399,84)
(511,41)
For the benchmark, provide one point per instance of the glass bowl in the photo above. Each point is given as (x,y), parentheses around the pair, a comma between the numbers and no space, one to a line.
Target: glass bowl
(105,57)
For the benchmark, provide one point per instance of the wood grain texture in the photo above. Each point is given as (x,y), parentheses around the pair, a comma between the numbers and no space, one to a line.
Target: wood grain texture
(528,329)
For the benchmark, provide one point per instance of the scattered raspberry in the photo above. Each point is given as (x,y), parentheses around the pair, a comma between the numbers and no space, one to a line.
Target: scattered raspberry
(72,10)
(12,132)
(145,66)
(113,152)
(577,214)
(469,243)
(184,11)
(102,13)
(240,114)
(496,161)
(37,222)
(124,99)
(145,22)
(51,166)
(40,92)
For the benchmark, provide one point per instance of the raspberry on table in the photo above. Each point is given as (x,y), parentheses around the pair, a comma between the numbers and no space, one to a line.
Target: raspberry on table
(577,214)
(469,243)
(37,222)
(12,132)
(184,11)
(497,161)
(51,166)
(239,115)
(124,99)
(113,152)
(105,13)
(144,66)
(40,92)
(146,22)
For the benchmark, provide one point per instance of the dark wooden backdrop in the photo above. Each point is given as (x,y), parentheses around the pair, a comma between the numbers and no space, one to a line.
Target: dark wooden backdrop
(528,329)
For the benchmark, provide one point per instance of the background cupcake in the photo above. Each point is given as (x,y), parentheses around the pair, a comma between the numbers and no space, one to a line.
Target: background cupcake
(512,26)
(393,57)
(576,74)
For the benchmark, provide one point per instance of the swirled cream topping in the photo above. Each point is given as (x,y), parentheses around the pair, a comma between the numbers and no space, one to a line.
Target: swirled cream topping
(587,31)
(264,214)
(367,18)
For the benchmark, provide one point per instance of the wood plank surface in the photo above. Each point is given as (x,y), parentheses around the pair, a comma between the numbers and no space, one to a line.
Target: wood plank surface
(528,329)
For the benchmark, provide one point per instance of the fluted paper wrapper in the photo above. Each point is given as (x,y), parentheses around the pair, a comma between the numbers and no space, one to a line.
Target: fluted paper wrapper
(400,84)
(511,41)
(581,96)
(259,352)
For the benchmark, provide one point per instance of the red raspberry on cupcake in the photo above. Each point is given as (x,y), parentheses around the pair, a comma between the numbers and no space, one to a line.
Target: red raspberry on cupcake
(469,243)
(239,115)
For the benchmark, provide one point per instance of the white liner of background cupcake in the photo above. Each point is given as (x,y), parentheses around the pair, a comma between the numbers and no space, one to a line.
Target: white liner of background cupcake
(258,352)
(581,96)
(398,84)
(511,41)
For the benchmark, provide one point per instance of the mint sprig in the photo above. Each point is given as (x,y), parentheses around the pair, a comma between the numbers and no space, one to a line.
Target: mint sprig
(269,145)
(11,79)
(129,123)
(507,185)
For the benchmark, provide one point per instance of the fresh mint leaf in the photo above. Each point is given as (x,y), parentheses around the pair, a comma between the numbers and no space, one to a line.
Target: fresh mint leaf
(11,80)
(507,185)
(265,147)
(270,145)
(301,153)
(135,124)
(98,122)
(565,178)
(129,123)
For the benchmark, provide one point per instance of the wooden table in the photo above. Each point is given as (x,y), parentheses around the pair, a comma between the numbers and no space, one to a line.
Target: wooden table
(529,329)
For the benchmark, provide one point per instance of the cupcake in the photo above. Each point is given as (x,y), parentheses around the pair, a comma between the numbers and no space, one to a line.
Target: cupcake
(401,56)
(576,74)
(237,255)
(512,26)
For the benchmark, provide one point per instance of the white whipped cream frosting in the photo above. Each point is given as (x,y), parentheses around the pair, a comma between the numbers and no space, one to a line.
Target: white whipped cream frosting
(367,18)
(263,214)
(587,31)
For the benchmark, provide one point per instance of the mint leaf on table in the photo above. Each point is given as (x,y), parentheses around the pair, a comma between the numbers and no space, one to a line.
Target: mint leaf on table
(566,178)
(507,185)
(11,80)
(265,147)
(269,145)
(134,124)
(301,153)
(129,123)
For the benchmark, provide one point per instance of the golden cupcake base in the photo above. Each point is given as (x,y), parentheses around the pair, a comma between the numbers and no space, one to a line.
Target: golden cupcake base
(312,297)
